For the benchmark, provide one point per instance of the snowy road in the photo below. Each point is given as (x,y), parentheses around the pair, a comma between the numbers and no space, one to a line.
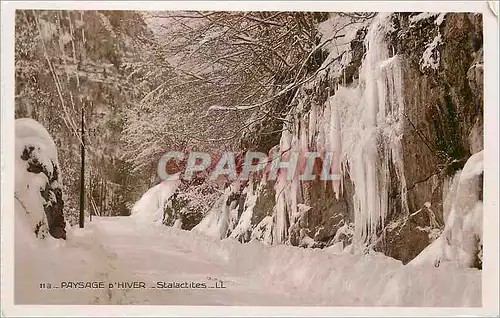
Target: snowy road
(121,249)
(163,255)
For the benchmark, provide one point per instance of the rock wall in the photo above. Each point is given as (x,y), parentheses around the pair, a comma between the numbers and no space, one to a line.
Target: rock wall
(444,126)
(444,109)
(440,57)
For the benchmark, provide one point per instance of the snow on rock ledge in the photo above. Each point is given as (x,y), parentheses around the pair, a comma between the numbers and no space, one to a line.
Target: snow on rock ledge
(461,240)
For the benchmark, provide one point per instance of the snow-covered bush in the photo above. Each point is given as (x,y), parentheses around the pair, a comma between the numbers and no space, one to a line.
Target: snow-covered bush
(217,221)
(38,179)
(235,214)
(150,207)
(190,203)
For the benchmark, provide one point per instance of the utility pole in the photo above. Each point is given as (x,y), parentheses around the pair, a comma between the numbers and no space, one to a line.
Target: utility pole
(82,170)
(90,188)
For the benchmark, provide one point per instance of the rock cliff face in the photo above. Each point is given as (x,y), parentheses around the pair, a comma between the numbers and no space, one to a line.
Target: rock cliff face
(444,117)
(428,121)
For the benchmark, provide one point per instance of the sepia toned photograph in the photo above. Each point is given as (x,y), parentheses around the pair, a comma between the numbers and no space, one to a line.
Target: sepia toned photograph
(248,158)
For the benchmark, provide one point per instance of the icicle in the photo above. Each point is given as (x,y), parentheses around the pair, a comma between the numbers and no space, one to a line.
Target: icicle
(334,142)
(281,208)
(363,127)
(312,124)
(372,117)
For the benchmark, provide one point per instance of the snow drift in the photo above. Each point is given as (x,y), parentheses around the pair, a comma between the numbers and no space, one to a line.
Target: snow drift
(319,276)
(112,249)
(81,257)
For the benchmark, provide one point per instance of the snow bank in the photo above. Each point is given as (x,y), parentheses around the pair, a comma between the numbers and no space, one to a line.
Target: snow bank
(81,257)
(331,276)
(252,272)
(368,280)
(149,208)
(46,260)
(33,144)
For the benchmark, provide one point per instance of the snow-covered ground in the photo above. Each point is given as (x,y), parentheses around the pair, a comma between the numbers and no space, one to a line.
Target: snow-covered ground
(120,249)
